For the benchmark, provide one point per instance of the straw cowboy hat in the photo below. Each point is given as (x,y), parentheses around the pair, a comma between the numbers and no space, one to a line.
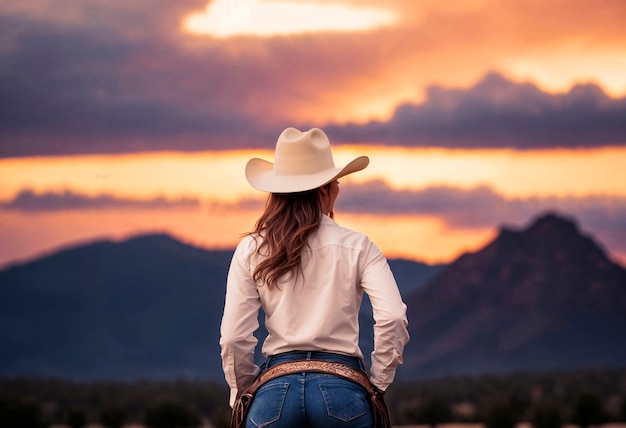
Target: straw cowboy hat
(302,161)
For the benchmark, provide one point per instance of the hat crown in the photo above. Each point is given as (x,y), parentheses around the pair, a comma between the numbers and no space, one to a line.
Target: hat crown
(302,161)
(302,153)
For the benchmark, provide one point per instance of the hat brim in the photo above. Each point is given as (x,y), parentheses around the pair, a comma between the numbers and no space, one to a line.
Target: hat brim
(261,176)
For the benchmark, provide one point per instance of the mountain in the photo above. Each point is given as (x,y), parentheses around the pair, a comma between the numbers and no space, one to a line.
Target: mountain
(148,307)
(411,275)
(541,298)
(538,298)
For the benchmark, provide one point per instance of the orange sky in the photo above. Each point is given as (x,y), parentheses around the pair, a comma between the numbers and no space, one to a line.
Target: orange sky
(215,180)
(218,176)
(121,117)
(555,45)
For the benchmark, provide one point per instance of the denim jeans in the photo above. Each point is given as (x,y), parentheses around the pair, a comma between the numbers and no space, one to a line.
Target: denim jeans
(310,399)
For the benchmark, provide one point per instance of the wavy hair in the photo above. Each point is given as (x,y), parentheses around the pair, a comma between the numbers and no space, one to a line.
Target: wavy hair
(285,226)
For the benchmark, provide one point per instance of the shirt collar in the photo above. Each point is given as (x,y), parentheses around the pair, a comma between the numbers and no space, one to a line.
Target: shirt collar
(327,220)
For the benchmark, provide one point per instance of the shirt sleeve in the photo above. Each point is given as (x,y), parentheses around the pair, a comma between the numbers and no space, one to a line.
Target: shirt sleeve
(390,328)
(239,322)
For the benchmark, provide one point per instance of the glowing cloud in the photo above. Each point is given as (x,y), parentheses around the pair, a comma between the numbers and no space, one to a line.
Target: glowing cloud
(226,18)
(558,70)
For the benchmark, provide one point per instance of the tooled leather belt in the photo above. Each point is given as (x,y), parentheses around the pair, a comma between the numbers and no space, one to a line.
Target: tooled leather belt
(299,366)
(244,399)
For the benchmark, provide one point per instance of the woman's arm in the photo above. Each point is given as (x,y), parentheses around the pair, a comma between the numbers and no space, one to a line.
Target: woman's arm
(239,322)
(390,332)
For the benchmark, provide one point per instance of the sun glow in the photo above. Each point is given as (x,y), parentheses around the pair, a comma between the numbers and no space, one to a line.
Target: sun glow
(227,18)
(431,240)
(557,71)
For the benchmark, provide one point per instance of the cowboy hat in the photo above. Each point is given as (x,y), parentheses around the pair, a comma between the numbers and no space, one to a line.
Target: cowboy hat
(302,161)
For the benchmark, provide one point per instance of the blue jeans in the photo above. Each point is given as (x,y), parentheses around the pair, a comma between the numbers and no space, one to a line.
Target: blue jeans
(310,399)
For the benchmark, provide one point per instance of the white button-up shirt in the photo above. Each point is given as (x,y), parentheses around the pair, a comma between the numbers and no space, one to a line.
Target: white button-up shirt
(317,311)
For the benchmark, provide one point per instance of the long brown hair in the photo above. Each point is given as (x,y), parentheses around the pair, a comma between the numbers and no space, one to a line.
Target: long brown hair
(285,226)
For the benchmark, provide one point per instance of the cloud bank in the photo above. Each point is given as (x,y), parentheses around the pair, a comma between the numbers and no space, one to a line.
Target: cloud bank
(497,112)
(120,77)
(28,201)
(602,216)
(479,206)
(476,208)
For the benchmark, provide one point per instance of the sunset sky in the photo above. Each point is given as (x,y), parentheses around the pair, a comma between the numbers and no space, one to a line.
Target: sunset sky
(120,118)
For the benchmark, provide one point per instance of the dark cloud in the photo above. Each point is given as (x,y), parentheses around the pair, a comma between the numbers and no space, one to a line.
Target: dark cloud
(28,201)
(478,207)
(604,217)
(124,85)
(68,90)
(458,206)
(496,113)
(114,77)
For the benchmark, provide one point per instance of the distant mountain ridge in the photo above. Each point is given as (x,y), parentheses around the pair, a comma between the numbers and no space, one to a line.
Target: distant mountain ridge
(146,307)
(541,298)
(149,307)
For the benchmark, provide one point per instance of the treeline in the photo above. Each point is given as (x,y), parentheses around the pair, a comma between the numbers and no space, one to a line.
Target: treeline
(39,403)
(546,400)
